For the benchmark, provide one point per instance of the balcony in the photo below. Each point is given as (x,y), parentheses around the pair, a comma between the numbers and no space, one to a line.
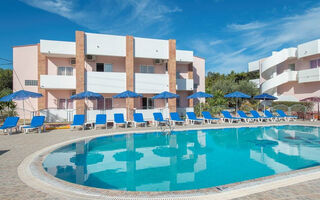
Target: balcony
(184,56)
(309,49)
(106,82)
(151,83)
(285,77)
(57,82)
(58,48)
(185,84)
(309,75)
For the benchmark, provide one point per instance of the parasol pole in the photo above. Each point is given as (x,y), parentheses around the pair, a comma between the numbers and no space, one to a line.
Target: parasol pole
(318,111)
(24,114)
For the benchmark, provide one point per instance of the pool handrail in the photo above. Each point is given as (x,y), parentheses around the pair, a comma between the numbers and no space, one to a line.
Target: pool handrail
(175,118)
(10,123)
(78,121)
(101,120)
(192,118)
(138,119)
(229,117)
(208,117)
(119,120)
(37,122)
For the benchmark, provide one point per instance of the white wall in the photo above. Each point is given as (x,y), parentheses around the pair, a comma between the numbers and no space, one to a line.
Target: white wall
(58,48)
(151,48)
(184,56)
(254,66)
(151,83)
(106,82)
(309,75)
(277,58)
(101,44)
(309,48)
(57,82)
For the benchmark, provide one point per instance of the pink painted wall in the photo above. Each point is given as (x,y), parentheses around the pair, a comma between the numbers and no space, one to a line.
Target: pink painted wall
(55,95)
(199,73)
(182,70)
(118,63)
(25,65)
(55,62)
(116,103)
(184,102)
(158,69)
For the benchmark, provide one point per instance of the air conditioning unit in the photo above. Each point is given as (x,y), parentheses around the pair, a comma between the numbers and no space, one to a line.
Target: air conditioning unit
(72,61)
(90,58)
(158,61)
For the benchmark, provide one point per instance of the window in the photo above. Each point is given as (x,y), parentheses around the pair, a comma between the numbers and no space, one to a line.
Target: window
(31,82)
(65,71)
(147,103)
(104,67)
(65,104)
(292,67)
(146,69)
(104,104)
(108,67)
(314,63)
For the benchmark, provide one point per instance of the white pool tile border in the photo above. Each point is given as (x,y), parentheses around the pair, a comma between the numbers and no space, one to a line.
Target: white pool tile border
(32,176)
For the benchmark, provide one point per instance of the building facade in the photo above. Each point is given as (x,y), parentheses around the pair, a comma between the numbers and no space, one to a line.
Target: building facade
(106,64)
(291,74)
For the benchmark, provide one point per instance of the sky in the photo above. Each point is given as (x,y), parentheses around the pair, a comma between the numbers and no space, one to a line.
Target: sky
(227,33)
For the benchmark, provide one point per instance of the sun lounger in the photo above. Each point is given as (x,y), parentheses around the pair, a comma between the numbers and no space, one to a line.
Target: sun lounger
(192,118)
(9,124)
(78,121)
(37,122)
(255,114)
(158,119)
(287,117)
(138,119)
(274,118)
(228,117)
(119,120)
(101,120)
(208,117)
(175,118)
(244,117)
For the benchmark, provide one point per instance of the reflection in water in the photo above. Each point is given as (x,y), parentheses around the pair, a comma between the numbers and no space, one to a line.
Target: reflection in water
(185,160)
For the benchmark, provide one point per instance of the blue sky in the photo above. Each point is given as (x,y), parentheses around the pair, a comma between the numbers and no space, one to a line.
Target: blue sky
(228,33)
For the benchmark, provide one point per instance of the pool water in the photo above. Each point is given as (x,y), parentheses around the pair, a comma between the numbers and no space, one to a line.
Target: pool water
(185,160)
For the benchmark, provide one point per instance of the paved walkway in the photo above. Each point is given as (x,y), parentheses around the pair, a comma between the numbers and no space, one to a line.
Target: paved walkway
(14,148)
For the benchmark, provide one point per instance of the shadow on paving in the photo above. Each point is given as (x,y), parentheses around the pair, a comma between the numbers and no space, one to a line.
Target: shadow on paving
(3,151)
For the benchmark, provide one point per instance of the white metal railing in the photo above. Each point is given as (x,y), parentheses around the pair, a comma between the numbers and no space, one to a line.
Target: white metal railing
(183,111)
(148,113)
(58,115)
(91,114)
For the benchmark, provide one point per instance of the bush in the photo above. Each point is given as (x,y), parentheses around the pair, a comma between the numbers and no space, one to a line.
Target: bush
(295,106)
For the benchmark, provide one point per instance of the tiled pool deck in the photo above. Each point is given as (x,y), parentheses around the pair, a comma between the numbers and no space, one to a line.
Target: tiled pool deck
(15,148)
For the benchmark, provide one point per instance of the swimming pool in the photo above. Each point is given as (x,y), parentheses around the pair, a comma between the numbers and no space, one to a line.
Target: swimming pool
(185,160)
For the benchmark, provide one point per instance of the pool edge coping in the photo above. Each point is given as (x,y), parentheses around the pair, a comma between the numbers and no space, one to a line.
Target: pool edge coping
(31,168)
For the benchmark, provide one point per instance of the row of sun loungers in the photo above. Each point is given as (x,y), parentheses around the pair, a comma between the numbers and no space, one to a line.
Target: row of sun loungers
(37,122)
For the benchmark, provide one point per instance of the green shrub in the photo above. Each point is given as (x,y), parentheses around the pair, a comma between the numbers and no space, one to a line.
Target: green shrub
(295,106)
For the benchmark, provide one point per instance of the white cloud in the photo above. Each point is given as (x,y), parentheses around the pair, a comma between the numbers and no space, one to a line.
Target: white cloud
(248,26)
(119,17)
(254,40)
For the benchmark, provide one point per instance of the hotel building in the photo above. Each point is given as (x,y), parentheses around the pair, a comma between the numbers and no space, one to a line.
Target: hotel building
(105,64)
(291,74)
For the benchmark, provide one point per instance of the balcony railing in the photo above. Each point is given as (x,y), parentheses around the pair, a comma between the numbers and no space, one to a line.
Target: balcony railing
(106,82)
(285,77)
(151,83)
(185,84)
(57,82)
(309,75)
